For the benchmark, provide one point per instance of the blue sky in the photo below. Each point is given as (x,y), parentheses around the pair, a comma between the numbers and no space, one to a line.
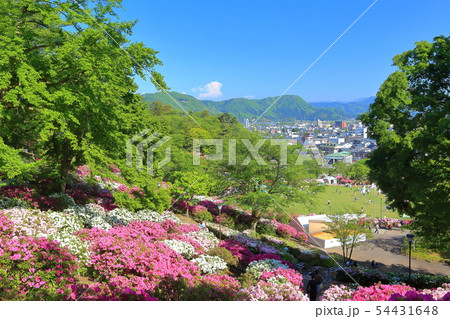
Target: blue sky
(224,49)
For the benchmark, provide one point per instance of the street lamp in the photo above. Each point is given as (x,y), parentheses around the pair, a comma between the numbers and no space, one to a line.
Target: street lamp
(410,238)
(220,224)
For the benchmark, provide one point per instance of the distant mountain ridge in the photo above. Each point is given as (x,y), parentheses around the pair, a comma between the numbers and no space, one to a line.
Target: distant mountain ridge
(287,108)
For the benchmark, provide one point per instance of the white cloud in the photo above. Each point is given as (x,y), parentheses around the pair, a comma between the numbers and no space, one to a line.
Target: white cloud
(212,90)
(249,97)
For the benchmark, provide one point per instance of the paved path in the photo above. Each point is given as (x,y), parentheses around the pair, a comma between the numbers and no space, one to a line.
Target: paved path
(385,249)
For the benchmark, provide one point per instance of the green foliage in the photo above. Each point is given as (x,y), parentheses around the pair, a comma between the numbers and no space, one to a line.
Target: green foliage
(225,254)
(67,90)
(124,200)
(266,182)
(204,215)
(409,120)
(348,230)
(247,280)
(266,229)
(11,163)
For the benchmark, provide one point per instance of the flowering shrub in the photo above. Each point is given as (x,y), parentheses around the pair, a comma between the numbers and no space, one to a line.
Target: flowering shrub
(256,268)
(225,254)
(418,296)
(210,206)
(205,238)
(282,276)
(239,250)
(267,256)
(33,268)
(131,251)
(184,249)
(215,288)
(379,292)
(367,277)
(117,289)
(76,246)
(438,293)
(221,230)
(30,222)
(66,222)
(210,264)
(267,291)
(19,192)
(285,231)
(255,245)
(337,293)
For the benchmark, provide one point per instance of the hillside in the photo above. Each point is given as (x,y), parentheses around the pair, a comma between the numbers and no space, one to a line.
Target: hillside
(353,108)
(287,108)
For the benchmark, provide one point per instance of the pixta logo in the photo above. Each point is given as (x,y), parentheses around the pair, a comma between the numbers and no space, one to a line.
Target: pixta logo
(149,142)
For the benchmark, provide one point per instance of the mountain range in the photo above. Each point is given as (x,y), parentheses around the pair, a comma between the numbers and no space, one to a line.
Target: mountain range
(287,108)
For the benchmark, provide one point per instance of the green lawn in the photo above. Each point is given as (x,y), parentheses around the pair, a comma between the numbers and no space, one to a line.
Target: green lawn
(342,199)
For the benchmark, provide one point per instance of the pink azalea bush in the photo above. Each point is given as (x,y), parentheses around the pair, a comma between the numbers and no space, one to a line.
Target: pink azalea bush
(241,251)
(32,268)
(379,292)
(337,293)
(281,275)
(136,251)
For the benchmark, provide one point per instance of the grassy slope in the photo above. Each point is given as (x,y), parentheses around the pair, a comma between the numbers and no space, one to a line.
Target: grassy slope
(343,201)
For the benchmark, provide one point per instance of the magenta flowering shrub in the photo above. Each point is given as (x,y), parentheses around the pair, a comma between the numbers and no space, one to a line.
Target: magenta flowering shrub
(210,206)
(133,251)
(436,294)
(267,291)
(379,292)
(285,231)
(23,193)
(281,275)
(33,268)
(241,251)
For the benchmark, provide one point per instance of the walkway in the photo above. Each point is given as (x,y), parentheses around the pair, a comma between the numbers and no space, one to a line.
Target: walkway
(385,249)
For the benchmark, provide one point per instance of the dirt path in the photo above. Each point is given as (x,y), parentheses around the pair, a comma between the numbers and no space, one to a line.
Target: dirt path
(385,249)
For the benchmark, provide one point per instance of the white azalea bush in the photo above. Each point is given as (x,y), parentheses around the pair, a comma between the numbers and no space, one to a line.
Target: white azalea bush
(31,222)
(181,247)
(76,246)
(205,238)
(66,222)
(210,264)
(257,267)
(119,216)
(169,215)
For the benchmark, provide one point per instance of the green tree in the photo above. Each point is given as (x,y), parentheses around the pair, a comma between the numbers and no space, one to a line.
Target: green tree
(188,184)
(410,122)
(67,92)
(359,171)
(349,230)
(266,183)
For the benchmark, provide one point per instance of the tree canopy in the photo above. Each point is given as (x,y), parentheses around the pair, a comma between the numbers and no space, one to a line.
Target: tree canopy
(67,92)
(410,122)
